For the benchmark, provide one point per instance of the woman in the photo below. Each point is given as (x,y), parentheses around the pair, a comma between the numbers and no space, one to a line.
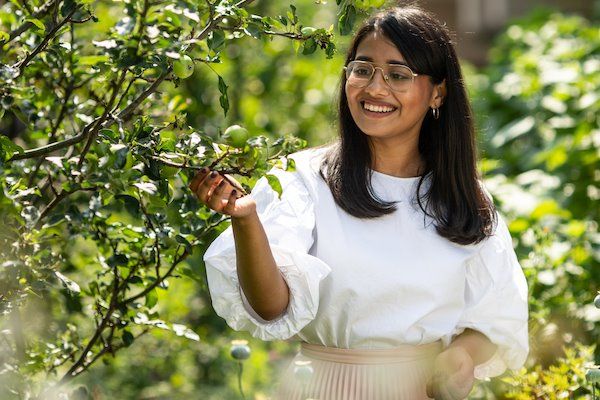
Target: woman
(384,255)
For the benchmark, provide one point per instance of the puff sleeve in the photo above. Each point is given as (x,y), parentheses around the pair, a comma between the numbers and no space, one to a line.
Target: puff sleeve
(496,302)
(288,222)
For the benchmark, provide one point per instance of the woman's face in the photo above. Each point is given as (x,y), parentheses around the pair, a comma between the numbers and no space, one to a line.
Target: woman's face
(408,109)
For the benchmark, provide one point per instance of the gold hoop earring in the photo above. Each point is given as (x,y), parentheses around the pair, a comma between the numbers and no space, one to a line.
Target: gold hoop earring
(435,112)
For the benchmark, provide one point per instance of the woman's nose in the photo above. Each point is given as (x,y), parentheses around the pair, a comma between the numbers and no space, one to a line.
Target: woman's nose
(377,83)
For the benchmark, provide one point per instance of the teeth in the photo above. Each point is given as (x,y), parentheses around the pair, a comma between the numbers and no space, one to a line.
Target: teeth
(381,109)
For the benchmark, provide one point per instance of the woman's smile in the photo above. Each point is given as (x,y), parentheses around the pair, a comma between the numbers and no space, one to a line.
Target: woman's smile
(377,110)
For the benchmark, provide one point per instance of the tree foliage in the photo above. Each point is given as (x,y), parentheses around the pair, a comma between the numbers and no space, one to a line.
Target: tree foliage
(109,107)
(538,106)
(95,213)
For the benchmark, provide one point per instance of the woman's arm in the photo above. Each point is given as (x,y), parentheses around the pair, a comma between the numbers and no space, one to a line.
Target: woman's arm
(260,279)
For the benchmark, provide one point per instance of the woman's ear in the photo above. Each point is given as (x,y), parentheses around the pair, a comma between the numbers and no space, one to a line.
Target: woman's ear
(438,95)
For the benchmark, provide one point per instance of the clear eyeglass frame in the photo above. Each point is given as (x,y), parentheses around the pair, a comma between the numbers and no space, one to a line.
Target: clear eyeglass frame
(366,81)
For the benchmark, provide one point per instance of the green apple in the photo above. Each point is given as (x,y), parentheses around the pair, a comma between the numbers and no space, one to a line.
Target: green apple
(308,30)
(184,67)
(236,135)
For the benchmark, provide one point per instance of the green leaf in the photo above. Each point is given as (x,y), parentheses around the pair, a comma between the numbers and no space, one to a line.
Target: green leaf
(132,205)
(127,338)
(180,239)
(275,184)
(4,36)
(71,286)
(8,148)
(151,298)
(224,99)
(67,7)
(292,16)
(346,20)
(37,23)
(253,30)
(215,39)
(182,330)
(146,187)
(513,130)
(93,60)
(310,46)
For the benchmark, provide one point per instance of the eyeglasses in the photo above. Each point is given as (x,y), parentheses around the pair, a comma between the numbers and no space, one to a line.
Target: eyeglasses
(398,77)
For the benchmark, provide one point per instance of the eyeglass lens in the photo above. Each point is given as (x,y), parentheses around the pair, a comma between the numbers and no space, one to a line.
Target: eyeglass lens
(398,77)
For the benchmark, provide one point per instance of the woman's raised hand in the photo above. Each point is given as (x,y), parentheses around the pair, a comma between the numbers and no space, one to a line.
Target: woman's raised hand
(218,194)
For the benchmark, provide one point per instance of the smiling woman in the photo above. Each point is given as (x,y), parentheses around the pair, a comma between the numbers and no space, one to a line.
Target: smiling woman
(384,255)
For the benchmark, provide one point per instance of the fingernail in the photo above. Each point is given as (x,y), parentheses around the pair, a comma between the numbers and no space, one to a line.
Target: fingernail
(213,174)
(203,170)
(234,192)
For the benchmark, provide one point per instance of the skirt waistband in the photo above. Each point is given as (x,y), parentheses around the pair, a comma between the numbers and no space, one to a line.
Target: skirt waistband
(400,354)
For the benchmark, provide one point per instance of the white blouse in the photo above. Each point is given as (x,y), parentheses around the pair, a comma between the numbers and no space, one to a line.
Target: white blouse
(374,283)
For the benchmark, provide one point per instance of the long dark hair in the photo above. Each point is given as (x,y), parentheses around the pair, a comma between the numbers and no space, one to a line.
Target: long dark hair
(461,210)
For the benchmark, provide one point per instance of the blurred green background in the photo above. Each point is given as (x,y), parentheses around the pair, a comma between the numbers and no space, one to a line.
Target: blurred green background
(536,102)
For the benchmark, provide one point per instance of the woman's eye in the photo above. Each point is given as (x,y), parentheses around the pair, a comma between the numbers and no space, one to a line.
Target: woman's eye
(361,71)
(399,76)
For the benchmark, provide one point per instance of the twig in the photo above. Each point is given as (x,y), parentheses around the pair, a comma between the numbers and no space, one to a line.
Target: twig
(222,172)
(61,196)
(22,64)
(26,6)
(73,371)
(289,35)
(112,348)
(126,113)
(49,148)
(156,238)
(109,105)
(40,13)
(213,21)
(51,183)
(158,281)
(53,129)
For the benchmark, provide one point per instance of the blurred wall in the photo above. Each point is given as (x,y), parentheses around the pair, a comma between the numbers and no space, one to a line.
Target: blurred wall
(475,22)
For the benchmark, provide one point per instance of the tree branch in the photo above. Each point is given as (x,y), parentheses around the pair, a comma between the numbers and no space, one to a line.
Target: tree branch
(77,367)
(109,105)
(109,348)
(39,13)
(49,148)
(223,172)
(125,114)
(61,196)
(158,280)
(22,64)
(214,20)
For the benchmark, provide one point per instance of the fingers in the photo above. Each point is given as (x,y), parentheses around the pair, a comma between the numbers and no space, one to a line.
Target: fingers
(437,388)
(197,179)
(230,206)
(214,190)
(219,196)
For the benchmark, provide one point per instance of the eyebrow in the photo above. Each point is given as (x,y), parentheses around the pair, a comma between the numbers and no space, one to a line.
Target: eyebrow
(365,58)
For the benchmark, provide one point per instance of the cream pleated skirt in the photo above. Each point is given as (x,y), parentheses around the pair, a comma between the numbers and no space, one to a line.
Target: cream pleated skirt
(327,373)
